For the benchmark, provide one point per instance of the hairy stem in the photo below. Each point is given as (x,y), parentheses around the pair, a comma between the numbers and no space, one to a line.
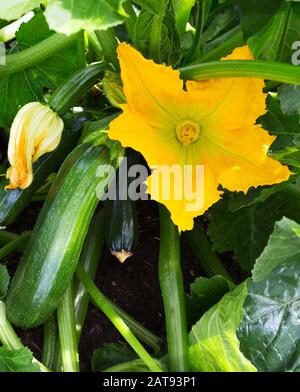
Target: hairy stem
(280,72)
(36,54)
(171,283)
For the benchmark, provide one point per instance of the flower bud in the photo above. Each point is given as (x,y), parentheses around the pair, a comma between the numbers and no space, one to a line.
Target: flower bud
(35,131)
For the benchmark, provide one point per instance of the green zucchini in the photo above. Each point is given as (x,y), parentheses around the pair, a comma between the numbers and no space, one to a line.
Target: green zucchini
(121,219)
(13,202)
(52,253)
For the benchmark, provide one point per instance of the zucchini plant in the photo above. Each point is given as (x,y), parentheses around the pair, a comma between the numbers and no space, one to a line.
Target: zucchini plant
(201,100)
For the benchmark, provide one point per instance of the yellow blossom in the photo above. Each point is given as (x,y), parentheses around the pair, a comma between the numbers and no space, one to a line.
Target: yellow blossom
(36,130)
(210,124)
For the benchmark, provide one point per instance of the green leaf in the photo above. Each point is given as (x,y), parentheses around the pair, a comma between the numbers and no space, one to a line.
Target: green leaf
(283,246)
(274,42)
(22,87)
(71,16)
(247,230)
(4,281)
(238,200)
(152,6)
(289,97)
(17,360)
(214,346)
(269,333)
(256,14)
(142,32)
(204,293)
(13,9)
(111,354)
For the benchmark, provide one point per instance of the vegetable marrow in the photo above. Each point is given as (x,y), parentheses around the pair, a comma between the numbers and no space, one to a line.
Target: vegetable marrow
(52,253)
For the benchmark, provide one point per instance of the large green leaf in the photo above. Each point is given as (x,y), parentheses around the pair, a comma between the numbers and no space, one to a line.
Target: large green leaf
(274,42)
(70,16)
(283,246)
(22,87)
(269,333)
(13,9)
(17,360)
(246,231)
(214,346)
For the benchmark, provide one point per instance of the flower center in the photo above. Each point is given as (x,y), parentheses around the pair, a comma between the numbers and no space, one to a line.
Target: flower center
(187,132)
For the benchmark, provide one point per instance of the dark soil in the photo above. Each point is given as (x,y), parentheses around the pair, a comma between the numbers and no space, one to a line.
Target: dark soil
(133,285)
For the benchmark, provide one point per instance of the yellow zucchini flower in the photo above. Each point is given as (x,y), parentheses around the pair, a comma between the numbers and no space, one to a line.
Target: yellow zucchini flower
(209,124)
(35,131)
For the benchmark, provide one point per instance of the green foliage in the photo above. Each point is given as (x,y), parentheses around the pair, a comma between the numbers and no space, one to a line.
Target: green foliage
(289,97)
(71,16)
(13,9)
(246,231)
(26,86)
(256,14)
(275,40)
(204,293)
(269,332)
(17,361)
(111,354)
(214,346)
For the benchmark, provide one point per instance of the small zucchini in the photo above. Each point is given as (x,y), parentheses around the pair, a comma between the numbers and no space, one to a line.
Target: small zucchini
(121,219)
(13,202)
(53,251)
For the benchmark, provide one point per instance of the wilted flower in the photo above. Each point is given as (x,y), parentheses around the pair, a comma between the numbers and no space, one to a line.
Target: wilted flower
(35,131)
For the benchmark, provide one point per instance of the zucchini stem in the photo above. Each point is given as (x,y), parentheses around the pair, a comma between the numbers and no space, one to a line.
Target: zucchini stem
(101,301)
(67,332)
(109,45)
(171,283)
(16,245)
(36,54)
(280,72)
(201,247)
(10,339)
(49,342)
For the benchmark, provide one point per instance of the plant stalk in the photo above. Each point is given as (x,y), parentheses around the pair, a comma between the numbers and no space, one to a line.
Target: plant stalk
(9,338)
(100,300)
(67,332)
(49,342)
(171,283)
(15,245)
(280,72)
(201,246)
(109,45)
(36,54)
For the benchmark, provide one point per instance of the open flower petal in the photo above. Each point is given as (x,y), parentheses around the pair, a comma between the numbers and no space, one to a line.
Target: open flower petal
(194,140)
(148,87)
(158,146)
(230,103)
